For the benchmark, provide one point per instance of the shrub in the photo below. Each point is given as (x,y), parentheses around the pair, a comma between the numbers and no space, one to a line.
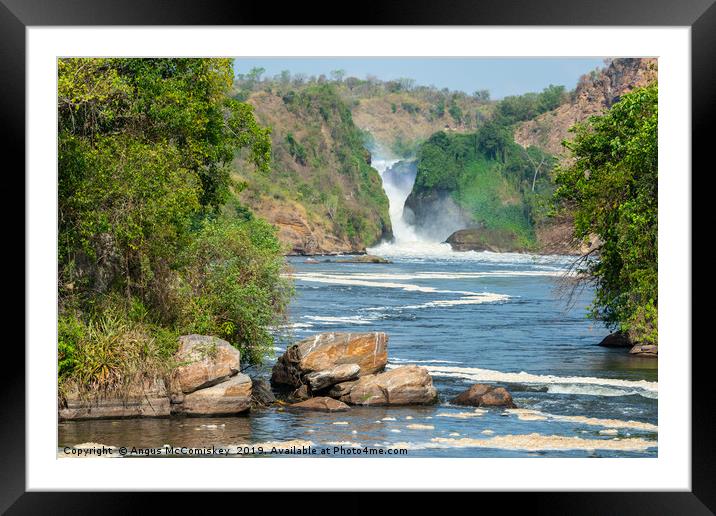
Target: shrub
(233,285)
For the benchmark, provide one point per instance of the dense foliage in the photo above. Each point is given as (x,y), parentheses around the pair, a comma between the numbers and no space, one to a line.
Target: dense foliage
(145,149)
(611,187)
(321,162)
(489,176)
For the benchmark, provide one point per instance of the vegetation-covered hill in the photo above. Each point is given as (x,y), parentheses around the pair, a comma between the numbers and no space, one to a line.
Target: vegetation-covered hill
(321,193)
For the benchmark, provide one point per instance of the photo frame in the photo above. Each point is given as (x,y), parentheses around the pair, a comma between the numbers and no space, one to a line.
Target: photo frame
(17,16)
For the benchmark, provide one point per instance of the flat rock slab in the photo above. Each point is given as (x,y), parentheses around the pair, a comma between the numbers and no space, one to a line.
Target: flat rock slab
(205,361)
(225,399)
(141,399)
(484,395)
(645,350)
(325,351)
(407,385)
(321,404)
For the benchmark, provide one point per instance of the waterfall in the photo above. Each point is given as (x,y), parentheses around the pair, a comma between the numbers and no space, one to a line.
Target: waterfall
(406,241)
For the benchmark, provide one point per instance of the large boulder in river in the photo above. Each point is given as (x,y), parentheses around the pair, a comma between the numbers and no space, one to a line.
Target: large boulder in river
(407,385)
(325,351)
(141,398)
(203,361)
(483,395)
(225,399)
(617,339)
(321,404)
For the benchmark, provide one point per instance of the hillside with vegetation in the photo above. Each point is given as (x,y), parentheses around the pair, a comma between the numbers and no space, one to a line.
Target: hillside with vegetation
(397,114)
(321,193)
(484,181)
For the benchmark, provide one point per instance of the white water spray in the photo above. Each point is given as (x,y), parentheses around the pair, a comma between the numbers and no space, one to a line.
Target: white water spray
(406,241)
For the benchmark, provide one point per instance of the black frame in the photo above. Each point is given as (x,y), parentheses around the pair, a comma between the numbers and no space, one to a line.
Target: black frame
(700,15)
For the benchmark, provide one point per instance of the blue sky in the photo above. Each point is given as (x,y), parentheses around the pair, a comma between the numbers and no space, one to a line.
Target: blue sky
(502,76)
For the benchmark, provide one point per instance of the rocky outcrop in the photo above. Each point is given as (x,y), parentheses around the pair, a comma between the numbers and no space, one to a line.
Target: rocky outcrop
(321,404)
(616,340)
(434,214)
(484,239)
(365,258)
(204,361)
(407,385)
(230,397)
(483,395)
(142,398)
(595,92)
(325,351)
(261,393)
(645,350)
(342,390)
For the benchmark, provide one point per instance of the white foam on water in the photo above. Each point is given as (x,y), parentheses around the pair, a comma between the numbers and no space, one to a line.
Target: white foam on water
(641,387)
(467,297)
(536,415)
(354,319)
(597,390)
(407,360)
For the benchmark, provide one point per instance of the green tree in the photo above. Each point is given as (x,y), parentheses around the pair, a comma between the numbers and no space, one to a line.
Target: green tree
(611,188)
(145,148)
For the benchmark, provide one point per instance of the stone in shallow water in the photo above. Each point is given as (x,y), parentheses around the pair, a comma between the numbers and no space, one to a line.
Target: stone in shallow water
(407,385)
(321,404)
(483,395)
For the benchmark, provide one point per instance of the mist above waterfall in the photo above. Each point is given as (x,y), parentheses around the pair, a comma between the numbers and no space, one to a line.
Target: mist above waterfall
(398,177)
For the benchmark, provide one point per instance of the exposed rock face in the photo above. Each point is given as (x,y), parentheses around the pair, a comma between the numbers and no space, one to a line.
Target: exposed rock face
(594,93)
(300,394)
(483,395)
(325,351)
(261,393)
(341,373)
(146,398)
(321,404)
(435,214)
(227,398)
(407,385)
(340,390)
(205,361)
(484,239)
(616,340)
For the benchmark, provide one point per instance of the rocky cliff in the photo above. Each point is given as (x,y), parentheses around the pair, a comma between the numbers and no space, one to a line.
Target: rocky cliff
(595,92)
